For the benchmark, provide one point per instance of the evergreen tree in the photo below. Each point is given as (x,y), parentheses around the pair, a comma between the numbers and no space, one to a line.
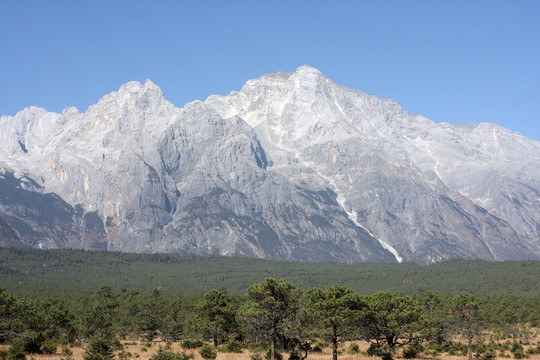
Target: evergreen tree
(270,308)
(392,321)
(218,314)
(466,315)
(338,311)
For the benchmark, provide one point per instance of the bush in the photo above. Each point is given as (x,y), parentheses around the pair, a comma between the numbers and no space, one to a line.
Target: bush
(353,349)
(489,355)
(208,352)
(277,355)
(99,348)
(454,348)
(4,354)
(375,350)
(49,346)
(294,356)
(411,351)
(16,351)
(169,355)
(533,350)
(192,344)
(517,351)
(67,354)
(122,355)
(232,347)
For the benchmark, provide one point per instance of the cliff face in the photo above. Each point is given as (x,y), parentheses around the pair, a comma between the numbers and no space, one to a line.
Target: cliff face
(292,166)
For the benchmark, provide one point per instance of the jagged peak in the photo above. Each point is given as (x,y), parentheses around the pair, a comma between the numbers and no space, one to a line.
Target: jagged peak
(308,70)
(135,87)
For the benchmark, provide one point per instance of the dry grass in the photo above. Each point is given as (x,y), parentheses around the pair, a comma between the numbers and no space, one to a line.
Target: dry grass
(140,351)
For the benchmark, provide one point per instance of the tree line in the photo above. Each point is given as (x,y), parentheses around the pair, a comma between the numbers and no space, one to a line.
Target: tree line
(53,271)
(273,315)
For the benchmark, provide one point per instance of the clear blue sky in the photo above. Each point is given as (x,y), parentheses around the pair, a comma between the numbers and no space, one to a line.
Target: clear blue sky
(451,61)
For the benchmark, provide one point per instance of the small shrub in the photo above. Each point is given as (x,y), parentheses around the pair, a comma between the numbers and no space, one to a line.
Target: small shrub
(4,354)
(375,350)
(489,355)
(98,349)
(518,351)
(208,352)
(411,351)
(192,344)
(76,343)
(16,351)
(169,355)
(66,354)
(256,357)
(317,348)
(232,347)
(294,356)
(49,346)
(353,349)
(122,355)
(277,355)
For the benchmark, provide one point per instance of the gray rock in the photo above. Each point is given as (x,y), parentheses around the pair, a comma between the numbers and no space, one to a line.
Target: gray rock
(291,167)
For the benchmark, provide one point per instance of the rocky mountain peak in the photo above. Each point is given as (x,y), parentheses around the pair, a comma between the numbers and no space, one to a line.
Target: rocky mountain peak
(292,166)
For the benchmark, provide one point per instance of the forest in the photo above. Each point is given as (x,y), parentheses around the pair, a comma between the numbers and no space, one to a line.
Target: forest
(274,318)
(51,272)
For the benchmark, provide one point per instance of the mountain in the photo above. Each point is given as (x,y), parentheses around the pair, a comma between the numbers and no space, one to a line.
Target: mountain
(291,167)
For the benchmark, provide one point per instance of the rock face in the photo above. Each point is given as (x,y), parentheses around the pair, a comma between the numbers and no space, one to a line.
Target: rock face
(292,167)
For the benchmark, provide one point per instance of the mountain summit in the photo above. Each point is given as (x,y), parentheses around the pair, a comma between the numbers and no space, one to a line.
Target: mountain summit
(292,166)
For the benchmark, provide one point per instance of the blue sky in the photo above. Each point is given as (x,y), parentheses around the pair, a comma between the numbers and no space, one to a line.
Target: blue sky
(451,61)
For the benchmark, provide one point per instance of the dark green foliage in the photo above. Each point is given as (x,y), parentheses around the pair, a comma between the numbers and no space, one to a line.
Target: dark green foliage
(353,349)
(392,321)
(170,355)
(150,318)
(294,356)
(277,355)
(4,354)
(232,347)
(338,311)
(67,354)
(99,348)
(192,344)
(412,351)
(49,346)
(16,351)
(465,310)
(271,305)
(217,314)
(208,352)
(518,351)
(42,272)
(375,350)
(489,355)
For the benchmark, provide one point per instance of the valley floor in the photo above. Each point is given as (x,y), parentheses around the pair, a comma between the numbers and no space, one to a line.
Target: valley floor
(141,351)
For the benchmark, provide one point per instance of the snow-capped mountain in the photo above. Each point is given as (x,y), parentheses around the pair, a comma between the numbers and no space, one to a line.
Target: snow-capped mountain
(292,166)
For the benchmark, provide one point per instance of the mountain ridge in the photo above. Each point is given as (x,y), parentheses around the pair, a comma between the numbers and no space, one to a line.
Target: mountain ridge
(292,166)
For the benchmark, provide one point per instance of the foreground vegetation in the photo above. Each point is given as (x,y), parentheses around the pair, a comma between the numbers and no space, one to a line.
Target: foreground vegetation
(273,318)
(100,306)
(51,272)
